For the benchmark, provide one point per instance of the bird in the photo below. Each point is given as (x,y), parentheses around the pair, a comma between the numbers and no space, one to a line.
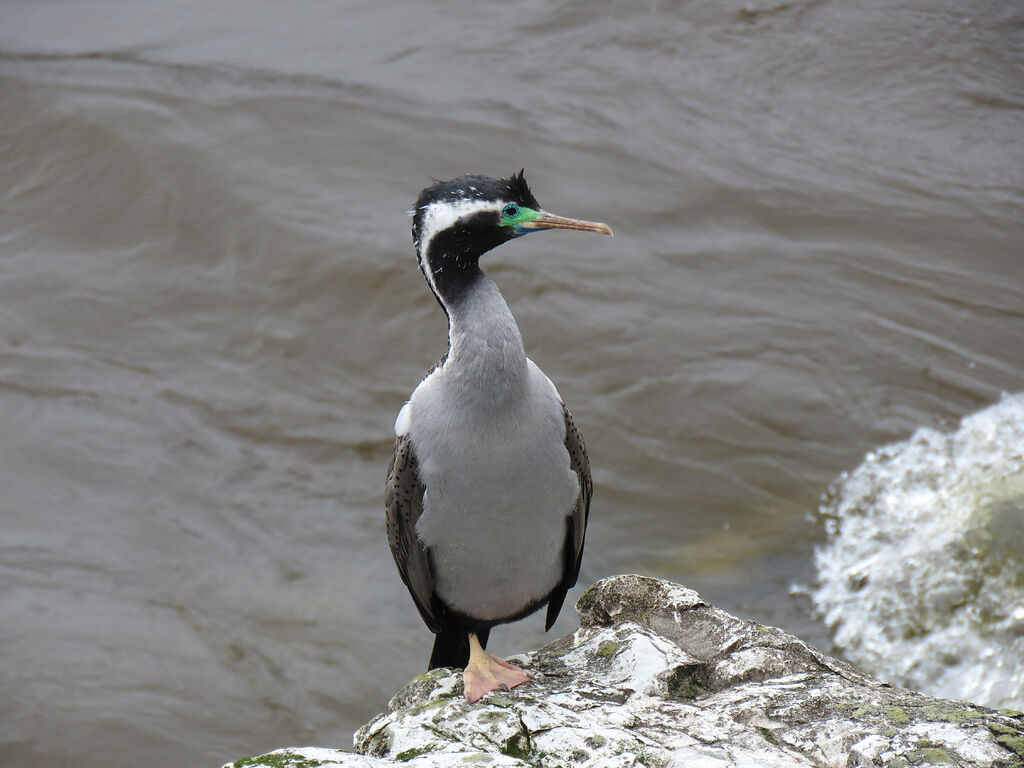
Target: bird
(489,487)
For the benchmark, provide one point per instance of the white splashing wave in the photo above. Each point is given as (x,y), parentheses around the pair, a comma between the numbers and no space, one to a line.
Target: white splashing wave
(922,580)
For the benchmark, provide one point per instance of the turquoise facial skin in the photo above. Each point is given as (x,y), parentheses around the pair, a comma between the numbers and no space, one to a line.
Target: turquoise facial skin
(516,216)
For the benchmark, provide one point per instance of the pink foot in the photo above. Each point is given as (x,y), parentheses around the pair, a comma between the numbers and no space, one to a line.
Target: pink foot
(489,673)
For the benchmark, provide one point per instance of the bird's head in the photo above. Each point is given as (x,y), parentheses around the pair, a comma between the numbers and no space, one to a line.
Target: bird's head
(455,222)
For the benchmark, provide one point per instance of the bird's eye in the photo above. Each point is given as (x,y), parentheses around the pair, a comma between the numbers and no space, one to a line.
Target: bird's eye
(510,210)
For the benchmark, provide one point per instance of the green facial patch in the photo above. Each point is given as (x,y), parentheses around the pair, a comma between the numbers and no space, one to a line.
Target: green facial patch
(515,216)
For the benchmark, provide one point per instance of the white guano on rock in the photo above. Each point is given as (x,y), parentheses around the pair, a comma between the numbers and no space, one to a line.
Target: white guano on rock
(656,677)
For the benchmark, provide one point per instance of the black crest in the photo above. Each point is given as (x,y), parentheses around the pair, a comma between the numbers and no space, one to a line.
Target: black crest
(521,190)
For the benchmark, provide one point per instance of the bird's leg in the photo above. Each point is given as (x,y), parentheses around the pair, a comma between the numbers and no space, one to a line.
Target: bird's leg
(488,673)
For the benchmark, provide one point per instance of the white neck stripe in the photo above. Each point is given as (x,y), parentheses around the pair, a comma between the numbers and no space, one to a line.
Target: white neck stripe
(439,216)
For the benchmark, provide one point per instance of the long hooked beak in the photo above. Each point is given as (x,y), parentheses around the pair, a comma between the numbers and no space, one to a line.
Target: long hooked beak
(551,221)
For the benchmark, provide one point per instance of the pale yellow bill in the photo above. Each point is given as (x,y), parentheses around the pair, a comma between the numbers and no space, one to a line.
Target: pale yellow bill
(551,221)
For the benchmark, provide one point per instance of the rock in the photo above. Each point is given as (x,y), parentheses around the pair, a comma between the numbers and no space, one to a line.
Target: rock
(655,676)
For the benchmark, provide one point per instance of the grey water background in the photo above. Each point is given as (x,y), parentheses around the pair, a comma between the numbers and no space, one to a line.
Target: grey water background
(210,315)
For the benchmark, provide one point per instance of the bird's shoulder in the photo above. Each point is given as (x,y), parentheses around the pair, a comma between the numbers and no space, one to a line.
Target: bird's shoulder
(427,389)
(545,396)
(540,381)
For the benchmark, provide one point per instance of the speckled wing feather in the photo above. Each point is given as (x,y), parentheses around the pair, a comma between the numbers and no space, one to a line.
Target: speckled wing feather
(576,526)
(404,502)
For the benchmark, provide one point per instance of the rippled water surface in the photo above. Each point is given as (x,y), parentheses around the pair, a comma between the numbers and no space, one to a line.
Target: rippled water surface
(210,314)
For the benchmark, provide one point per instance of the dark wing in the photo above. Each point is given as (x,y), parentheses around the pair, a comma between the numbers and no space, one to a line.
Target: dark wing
(404,501)
(576,526)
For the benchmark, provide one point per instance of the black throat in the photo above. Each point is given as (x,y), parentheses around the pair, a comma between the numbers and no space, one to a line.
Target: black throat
(452,261)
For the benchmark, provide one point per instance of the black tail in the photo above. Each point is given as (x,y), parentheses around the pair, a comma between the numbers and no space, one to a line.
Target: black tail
(451,647)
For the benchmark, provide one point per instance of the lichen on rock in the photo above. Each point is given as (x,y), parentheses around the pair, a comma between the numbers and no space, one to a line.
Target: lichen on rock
(656,677)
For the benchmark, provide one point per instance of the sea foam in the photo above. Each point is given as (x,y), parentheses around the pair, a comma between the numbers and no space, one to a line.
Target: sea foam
(922,578)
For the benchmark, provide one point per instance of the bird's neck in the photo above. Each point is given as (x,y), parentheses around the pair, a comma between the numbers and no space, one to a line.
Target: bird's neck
(486,358)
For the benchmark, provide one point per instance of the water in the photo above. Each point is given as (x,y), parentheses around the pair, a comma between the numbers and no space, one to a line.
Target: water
(210,315)
(922,580)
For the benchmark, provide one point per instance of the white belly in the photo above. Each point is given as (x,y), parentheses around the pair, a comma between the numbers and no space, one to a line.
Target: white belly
(498,491)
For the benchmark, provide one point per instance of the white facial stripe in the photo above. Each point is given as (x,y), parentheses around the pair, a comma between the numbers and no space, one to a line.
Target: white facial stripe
(441,215)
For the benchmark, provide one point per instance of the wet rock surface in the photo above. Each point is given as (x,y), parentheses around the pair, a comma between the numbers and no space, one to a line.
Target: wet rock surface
(655,676)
